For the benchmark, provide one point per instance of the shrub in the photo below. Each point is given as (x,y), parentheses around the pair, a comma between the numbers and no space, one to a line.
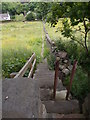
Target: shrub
(72,49)
(30,17)
(60,45)
(39,16)
(19,17)
(79,88)
(84,60)
(13,17)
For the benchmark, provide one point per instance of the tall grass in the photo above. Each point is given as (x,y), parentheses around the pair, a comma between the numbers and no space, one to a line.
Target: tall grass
(19,41)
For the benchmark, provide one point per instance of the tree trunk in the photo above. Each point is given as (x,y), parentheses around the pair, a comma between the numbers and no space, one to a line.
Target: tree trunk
(86,42)
(86,32)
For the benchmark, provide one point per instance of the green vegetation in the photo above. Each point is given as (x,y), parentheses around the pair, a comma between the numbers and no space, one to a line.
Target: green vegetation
(30,16)
(79,88)
(46,50)
(19,41)
(51,61)
(19,17)
(75,51)
(40,9)
(70,26)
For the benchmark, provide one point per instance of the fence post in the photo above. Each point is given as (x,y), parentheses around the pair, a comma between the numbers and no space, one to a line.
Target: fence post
(71,78)
(56,76)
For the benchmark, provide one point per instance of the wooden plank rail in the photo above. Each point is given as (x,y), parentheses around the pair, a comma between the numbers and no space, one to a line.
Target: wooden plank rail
(31,71)
(26,66)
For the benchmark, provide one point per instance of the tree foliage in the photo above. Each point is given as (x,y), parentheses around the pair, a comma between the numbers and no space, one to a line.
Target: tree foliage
(77,12)
(30,17)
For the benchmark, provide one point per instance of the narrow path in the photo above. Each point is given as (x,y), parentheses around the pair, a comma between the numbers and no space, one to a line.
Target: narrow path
(44,76)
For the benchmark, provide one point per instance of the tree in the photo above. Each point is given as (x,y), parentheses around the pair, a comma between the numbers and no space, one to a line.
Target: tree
(30,17)
(78,13)
(15,7)
(42,9)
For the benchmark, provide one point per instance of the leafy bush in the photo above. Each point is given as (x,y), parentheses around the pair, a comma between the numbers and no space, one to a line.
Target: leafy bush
(13,17)
(72,49)
(79,88)
(84,60)
(60,45)
(39,16)
(30,17)
(19,17)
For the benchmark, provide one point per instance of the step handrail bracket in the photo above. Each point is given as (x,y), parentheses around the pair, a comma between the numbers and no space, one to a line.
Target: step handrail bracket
(26,66)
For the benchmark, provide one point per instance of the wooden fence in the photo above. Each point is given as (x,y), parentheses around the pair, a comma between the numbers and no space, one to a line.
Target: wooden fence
(29,64)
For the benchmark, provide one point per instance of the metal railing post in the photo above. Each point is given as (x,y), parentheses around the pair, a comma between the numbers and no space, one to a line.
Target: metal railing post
(56,76)
(71,78)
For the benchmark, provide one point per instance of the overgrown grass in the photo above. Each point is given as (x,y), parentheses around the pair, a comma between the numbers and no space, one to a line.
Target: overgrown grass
(46,51)
(19,41)
(79,87)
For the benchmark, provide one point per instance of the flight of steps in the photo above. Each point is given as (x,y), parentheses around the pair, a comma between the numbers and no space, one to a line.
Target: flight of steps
(32,98)
(54,108)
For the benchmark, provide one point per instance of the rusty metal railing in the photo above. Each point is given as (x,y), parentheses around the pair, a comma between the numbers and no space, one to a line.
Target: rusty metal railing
(71,79)
(56,77)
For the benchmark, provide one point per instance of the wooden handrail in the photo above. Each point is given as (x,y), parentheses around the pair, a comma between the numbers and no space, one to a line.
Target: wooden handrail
(26,66)
(31,71)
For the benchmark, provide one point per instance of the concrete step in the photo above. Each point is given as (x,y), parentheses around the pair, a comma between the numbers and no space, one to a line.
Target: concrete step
(49,78)
(45,94)
(43,71)
(45,82)
(62,107)
(20,98)
(67,116)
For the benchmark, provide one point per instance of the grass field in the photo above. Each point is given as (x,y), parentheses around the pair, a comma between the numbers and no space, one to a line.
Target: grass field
(19,41)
